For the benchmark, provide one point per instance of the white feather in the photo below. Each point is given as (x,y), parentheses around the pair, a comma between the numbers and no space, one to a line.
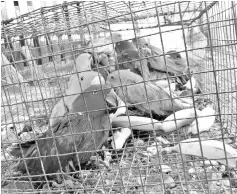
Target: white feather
(120,138)
(64,37)
(188,84)
(205,121)
(211,149)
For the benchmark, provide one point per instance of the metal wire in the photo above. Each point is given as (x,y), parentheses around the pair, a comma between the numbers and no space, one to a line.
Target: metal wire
(131,170)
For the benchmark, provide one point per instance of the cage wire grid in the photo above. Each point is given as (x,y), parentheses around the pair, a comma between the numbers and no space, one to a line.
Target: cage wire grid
(39,80)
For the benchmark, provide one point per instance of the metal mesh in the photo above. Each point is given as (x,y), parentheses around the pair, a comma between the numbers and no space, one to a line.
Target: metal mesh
(36,68)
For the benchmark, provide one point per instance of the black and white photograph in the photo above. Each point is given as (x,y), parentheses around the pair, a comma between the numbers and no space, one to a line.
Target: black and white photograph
(118,97)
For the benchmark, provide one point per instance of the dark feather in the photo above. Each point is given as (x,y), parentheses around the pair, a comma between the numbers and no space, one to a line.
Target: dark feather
(63,132)
(138,95)
(65,144)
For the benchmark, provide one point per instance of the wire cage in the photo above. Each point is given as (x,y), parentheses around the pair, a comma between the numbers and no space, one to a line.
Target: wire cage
(39,55)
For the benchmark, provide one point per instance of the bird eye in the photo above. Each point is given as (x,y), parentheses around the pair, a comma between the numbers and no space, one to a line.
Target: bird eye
(112,77)
(94,92)
(82,78)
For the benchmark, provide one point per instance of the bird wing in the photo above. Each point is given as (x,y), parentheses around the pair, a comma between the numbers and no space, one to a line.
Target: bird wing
(129,65)
(69,138)
(138,67)
(158,63)
(162,104)
(47,147)
(180,65)
(58,112)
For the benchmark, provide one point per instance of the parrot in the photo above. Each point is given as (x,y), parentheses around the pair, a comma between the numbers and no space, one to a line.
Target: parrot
(153,73)
(85,79)
(126,52)
(64,144)
(136,93)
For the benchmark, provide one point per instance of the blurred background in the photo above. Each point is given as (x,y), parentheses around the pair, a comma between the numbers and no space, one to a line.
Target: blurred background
(11,8)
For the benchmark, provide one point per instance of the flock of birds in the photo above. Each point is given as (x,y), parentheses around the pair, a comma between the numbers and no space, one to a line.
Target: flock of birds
(99,93)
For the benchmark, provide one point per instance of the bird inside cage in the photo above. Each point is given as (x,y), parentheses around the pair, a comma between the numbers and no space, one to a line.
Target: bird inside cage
(138,97)
(95,103)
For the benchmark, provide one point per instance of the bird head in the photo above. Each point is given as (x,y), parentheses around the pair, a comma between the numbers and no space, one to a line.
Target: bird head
(84,62)
(116,37)
(123,77)
(94,100)
(124,46)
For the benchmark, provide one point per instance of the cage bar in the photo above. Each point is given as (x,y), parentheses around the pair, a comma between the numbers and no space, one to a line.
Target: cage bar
(40,52)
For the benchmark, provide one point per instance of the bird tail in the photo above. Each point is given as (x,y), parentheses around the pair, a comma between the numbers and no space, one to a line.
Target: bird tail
(16,150)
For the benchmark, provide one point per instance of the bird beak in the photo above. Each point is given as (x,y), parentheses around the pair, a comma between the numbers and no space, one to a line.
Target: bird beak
(108,84)
(98,80)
